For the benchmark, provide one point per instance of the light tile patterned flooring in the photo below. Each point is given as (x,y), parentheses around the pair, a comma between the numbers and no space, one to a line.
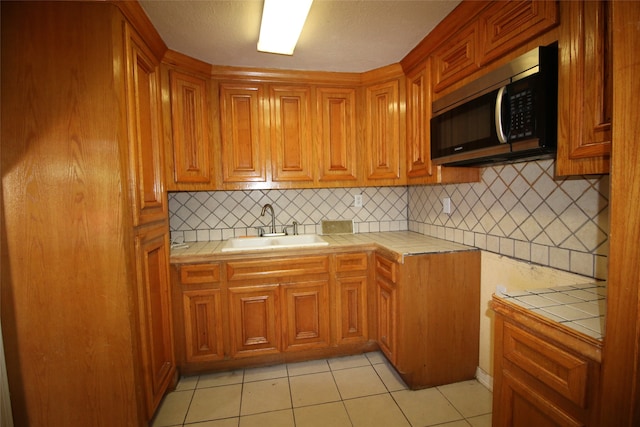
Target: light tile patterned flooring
(354,391)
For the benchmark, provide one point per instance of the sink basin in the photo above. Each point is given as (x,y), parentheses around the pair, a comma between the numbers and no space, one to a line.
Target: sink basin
(275,242)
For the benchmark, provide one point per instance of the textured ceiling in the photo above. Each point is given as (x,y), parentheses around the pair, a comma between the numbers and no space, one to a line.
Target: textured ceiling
(339,35)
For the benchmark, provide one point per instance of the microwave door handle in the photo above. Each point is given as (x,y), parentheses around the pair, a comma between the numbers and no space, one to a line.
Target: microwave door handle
(502,137)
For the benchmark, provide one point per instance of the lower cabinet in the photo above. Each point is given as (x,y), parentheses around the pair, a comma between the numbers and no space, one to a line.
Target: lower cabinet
(422,313)
(544,374)
(428,316)
(154,316)
(253,320)
(305,315)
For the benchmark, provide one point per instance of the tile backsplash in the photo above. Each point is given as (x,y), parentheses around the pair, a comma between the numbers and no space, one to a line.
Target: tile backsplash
(520,211)
(515,210)
(219,215)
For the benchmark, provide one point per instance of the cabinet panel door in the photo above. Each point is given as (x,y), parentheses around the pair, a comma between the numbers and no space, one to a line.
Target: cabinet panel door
(525,407)
(455,59)
(146,157)
(585,89)
(291,150)
(154,315)
(306,315)
(242,131)
(337,134)
(507,25)
(190,128)
(386,302)
(383,131)
(418,122)
(351,305)
(203,325)
(253,313)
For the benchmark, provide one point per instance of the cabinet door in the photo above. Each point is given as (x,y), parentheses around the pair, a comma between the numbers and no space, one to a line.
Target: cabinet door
(203,325)
(242,129)
(383,131)
(291,143)
(146,156)
(386,303)
(351,307)
(456,58)
(523,406)
(336,111)
(306,315)
(154,312)
(506,25)
(254,327)
(190,129)
(418,122)
(585,96)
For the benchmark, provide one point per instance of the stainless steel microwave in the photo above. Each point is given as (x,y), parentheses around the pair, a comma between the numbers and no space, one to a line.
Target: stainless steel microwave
(508,115)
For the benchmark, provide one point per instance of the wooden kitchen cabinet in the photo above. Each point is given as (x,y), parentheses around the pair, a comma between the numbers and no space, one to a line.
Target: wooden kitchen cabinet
(305,315)
(585,88)
(503,26)
(387,308)
(544,374)
(243,132)
(291,133)
(254,320)
(456,58)
(352,281)
(197,288)
(144,125)
(382,123)
(428,316)
(336,116)
(191,141)
(154,312)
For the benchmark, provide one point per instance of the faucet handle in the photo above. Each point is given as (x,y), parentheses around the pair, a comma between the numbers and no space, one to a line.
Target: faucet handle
(260,231)
(294,226)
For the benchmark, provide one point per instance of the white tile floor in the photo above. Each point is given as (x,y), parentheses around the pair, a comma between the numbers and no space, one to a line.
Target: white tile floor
(353,391)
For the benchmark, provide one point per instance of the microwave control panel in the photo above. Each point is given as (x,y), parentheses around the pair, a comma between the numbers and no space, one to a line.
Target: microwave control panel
(522,114)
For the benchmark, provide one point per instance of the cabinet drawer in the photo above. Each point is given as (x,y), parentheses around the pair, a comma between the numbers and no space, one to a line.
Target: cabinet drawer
(386,268)
(561,371)
(351,262)
(281,267)
(199,273)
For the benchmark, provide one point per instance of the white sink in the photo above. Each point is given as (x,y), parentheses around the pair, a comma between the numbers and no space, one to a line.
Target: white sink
(275,242)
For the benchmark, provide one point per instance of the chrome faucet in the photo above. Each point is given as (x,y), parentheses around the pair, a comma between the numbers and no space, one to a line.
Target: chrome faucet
(273,216)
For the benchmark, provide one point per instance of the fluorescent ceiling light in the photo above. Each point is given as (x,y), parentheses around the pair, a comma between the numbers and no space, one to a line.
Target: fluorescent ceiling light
(282,22)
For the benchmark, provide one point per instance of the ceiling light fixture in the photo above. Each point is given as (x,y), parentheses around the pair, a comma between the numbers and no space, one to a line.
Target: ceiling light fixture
(282,22)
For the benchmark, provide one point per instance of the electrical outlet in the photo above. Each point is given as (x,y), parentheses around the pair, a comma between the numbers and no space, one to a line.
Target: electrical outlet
(357,200)
(446,205)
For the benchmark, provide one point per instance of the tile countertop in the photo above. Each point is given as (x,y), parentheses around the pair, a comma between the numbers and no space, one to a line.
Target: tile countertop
(579,307)
(400,243)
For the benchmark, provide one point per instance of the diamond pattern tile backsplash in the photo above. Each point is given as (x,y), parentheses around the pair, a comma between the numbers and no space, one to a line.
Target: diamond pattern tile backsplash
(515,210)
(520,211)
(219,215)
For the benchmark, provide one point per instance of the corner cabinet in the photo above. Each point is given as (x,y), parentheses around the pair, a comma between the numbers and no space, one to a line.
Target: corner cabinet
(585,89)
(382,123)
(430,343)
(545,375)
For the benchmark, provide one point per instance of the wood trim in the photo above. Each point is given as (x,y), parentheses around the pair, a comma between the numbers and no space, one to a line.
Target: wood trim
(184,62)
(621,355)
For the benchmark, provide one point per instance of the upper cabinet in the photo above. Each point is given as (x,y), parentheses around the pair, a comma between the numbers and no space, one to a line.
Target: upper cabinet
(504,26)
(336,130)
(243,132)
(383,131)
(584,89)
(145,118)
(495,32)
(291,135)
(418,126)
